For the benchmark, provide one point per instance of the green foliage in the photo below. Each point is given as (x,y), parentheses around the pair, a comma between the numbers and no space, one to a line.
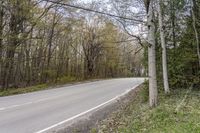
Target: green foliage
(51,74)
(183,61)
(145,91)
(44,45)
(93,130)
(66,79)
(183,68)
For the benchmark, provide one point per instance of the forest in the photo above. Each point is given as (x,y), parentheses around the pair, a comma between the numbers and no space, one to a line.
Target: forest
(45,42)
(58,45)
(52,41)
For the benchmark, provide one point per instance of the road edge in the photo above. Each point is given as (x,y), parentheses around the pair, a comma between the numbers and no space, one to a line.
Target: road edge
(88,120)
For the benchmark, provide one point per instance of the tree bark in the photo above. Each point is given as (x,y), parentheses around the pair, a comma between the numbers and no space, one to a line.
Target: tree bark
(49,42)
(153,92)
(1,39)
(164,52)
(195,30)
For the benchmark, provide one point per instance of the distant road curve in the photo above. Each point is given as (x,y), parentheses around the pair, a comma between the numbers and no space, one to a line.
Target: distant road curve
(39,112)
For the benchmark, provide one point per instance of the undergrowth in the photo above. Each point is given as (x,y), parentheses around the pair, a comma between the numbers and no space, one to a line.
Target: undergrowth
(137,117)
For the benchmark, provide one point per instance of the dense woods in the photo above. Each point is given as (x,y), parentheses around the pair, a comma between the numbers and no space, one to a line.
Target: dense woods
(181,43)
(176,45)
(45,41)
(171,43)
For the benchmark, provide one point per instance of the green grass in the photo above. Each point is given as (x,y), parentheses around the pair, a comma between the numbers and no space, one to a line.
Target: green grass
(13,91)
(60,81)
(137,117)
(67,79)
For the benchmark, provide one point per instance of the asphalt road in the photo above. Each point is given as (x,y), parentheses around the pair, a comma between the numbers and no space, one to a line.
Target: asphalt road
(38,112)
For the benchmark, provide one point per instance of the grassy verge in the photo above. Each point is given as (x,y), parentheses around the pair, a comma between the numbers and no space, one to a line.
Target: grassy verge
(13,91)
(137,117)
(61,81)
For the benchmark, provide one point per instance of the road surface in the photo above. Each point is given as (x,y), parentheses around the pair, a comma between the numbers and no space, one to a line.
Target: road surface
(38,112)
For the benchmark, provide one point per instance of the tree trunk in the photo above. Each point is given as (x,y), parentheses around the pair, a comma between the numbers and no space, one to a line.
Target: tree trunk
(153,100)
(195,30)
(49,42)
(164,52)
(10,52)
(1,39)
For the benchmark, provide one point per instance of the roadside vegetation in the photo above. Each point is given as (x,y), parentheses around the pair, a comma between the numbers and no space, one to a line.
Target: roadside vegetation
(50,42)
(23,90)
(45,42)
(60,82)
(138,117)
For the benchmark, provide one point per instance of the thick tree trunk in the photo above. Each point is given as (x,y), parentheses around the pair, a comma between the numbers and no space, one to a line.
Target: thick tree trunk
(164,52)
(153,92)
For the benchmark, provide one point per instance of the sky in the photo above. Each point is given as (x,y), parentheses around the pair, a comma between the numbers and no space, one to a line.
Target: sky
(134,29)
(89,1)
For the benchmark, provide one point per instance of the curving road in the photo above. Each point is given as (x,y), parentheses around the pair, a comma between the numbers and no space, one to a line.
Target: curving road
(41,111)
